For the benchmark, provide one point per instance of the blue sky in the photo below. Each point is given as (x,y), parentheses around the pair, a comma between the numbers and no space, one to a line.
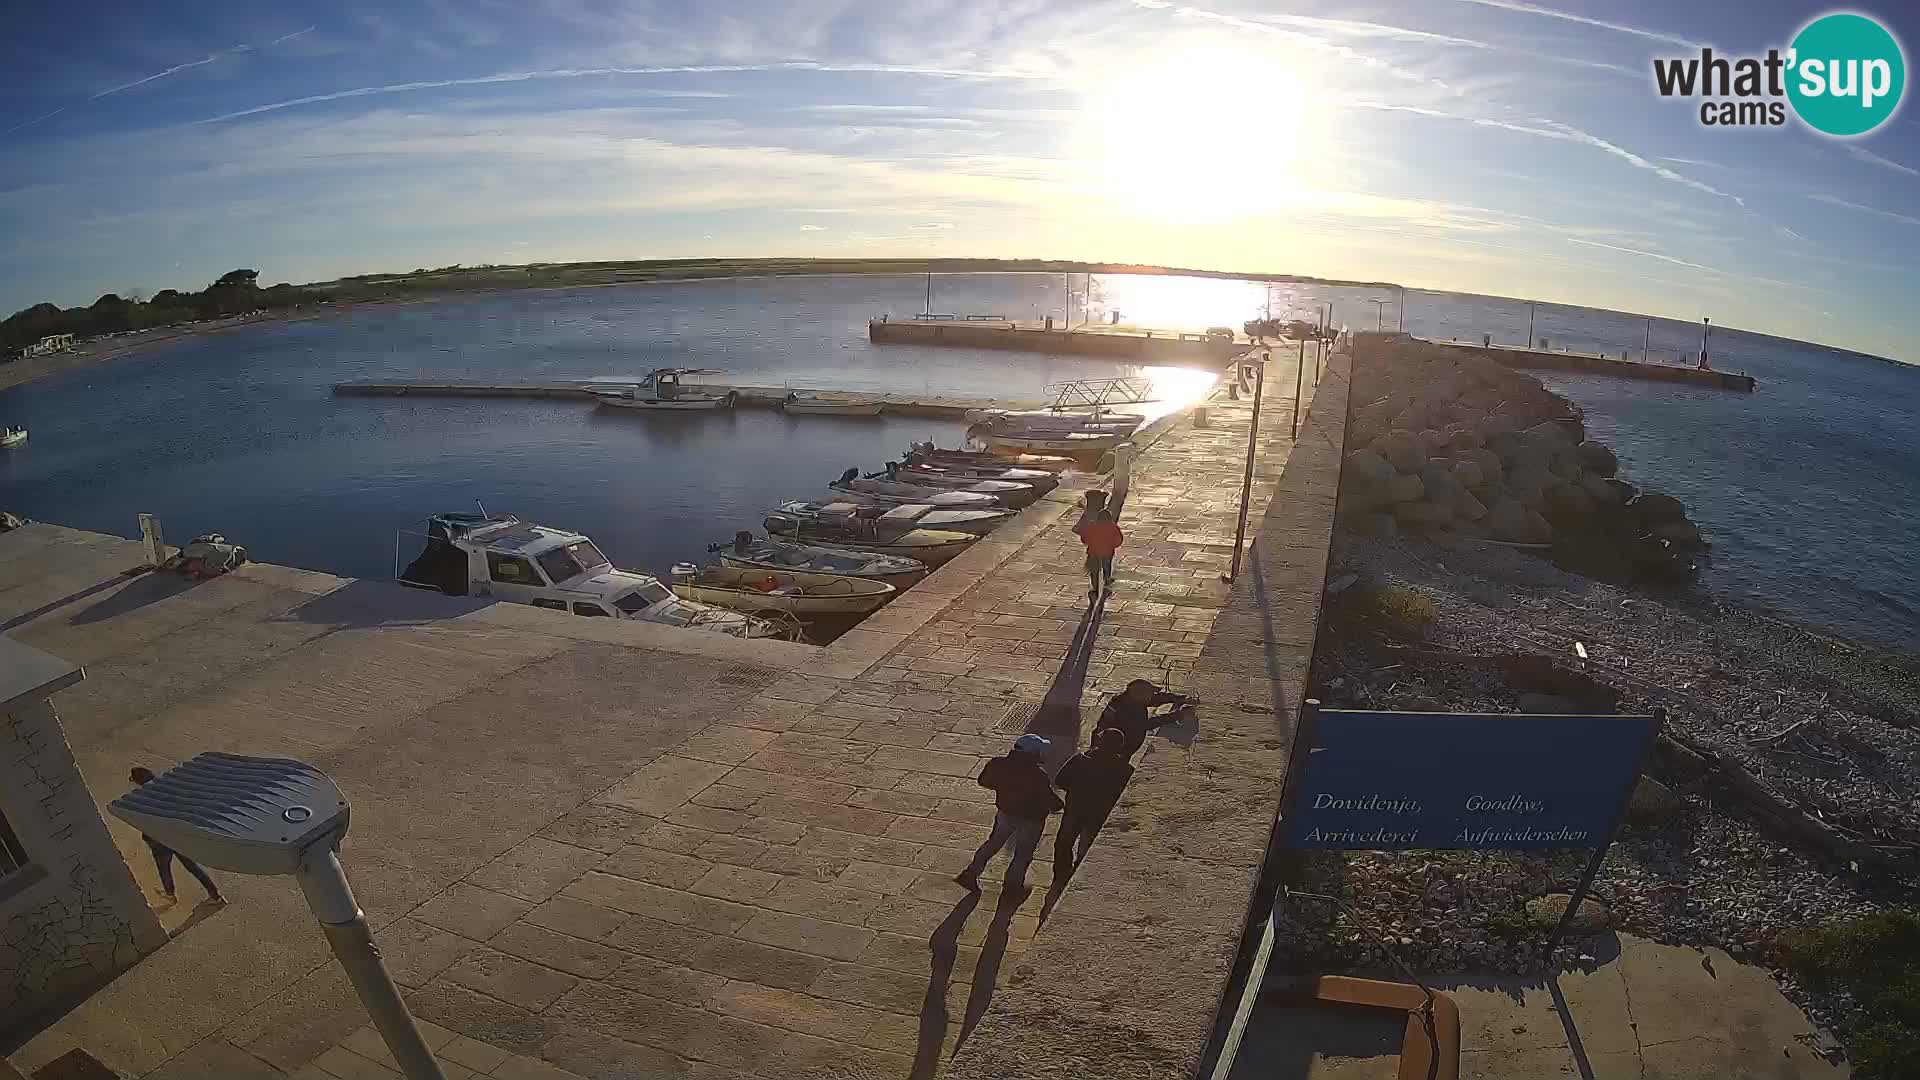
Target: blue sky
(1492,146)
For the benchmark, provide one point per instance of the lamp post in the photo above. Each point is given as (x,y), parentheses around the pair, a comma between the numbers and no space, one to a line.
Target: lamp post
(1379,315)
(1246,483)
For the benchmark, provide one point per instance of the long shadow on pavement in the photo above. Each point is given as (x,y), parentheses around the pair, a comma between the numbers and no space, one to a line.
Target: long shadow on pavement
(986,972)
(945,946)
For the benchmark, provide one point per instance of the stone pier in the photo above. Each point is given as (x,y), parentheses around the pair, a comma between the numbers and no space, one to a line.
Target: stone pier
(622,850)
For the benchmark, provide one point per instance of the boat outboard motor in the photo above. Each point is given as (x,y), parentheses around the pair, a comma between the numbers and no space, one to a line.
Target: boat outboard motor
(742,540)
(850,476)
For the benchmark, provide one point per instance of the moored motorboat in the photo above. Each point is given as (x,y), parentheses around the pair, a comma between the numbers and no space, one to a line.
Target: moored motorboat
(1048,420)
(1075,443)
(1009,492)
(926,452)
(819,406)
(946,500)
(930,546)
(791,592)
(503,557)
(889,520)
(771,554)
(13,436)
(960,476)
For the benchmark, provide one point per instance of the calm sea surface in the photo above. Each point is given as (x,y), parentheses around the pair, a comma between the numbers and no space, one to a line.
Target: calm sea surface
(1808,488)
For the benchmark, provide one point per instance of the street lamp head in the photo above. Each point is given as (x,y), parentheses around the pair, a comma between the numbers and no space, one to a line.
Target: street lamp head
(250,815)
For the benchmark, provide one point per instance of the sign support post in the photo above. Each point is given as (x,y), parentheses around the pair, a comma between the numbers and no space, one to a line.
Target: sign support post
(1580,891)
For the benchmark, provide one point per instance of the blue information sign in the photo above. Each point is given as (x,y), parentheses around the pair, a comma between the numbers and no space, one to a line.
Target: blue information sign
(1383,780)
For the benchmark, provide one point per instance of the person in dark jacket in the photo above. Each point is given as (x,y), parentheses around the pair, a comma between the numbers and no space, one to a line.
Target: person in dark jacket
(1093,782)
(1129,712)
(163,855)
(1022,799)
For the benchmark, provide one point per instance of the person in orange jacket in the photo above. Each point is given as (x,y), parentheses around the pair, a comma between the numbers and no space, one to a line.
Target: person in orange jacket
(1102,538)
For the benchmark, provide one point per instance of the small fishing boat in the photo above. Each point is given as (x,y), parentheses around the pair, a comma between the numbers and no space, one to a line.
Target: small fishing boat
(663,391)
(927,453)
(819,406)
(12,437)
(1008,492)
(770,554)
(930,546)
(511,560)
(886,521)
(945,500)
(795,593)
(958,476)
(1053,442)
(1047,420)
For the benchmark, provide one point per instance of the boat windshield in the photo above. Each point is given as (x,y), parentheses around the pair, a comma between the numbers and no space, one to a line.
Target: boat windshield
(642,598)
(571,560)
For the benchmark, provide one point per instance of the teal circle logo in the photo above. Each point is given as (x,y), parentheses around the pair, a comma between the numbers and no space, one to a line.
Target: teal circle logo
(1847,74)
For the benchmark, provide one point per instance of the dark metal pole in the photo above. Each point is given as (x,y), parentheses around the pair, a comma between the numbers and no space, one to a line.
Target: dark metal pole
(1299,377)
(1706,331)
(1246,483)
(1581,890)
(1403,309)
(1646,343)
(1529,326)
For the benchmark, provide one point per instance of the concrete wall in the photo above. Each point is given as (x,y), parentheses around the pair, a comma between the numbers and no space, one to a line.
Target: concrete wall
(975,335)
(73,917)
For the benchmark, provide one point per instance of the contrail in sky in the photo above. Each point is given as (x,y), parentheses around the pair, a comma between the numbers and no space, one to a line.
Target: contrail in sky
(1619,28)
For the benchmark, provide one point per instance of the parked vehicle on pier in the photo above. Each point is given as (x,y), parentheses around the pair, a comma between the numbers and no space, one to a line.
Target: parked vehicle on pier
(503,557)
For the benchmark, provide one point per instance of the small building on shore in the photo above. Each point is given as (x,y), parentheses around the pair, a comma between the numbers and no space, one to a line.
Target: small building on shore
(52,343)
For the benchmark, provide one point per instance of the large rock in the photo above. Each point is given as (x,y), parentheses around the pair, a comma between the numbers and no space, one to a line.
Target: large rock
(1565,464)
(1469,474)
(1559,431)
(1403,449)
(1462,437)
(1468,508)
(1442,485)
(1530,486)
(1570,508)
(1591,918)
(1604,494)
(1652,507)
(1598,459)
(1509,520)
(1653,803)
(1406,489)
(1435,441)
(1368,469)
(1425,514)
(1680,533)
(1489,462)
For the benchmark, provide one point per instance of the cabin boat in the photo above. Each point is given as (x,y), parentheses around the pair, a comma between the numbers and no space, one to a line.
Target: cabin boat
(791,592)
(891,520)
(770,554)
(662,390)
(1008,492)
(819,406)
(508,559)
(12,437)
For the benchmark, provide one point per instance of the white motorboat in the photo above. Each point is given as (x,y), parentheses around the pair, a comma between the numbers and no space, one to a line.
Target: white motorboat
(945,500)
(930,546)
(1008,492)
(746,551)
(889,520)
(1048,420)
(792,592)
(663,391)
(960,476)
(12,437)
(1043,442)
(927,453)
(819,406)
(503,557)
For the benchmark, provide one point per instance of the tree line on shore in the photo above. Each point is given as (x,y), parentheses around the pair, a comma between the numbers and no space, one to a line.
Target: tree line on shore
(236,292)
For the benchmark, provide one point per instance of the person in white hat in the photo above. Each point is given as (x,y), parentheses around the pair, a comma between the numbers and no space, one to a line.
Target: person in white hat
(1022,799)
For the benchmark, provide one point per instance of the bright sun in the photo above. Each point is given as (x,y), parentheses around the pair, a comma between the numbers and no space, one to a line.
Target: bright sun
(1205,135)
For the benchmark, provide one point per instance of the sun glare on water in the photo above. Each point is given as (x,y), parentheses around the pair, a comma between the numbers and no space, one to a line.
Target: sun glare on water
(1204,135)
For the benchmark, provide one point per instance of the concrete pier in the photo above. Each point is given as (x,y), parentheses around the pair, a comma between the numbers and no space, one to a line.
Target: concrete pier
(1519,356)
(1120,342)
(597,848)
(753,397)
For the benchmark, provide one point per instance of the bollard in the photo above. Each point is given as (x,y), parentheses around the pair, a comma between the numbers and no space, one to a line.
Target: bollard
(1200,417)
(154,544)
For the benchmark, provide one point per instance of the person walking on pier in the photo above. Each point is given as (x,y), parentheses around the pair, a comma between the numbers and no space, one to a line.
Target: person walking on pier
(1093,782)
(1096,501)
(1022,799)
(1129,712)
(163,855)
(1102,538)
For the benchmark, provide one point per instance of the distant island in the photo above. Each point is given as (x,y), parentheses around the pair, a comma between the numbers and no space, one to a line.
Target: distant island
(238,292)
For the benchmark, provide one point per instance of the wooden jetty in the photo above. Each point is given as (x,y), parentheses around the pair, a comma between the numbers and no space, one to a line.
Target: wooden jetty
(1519,356)
(1119,342)
(757,397)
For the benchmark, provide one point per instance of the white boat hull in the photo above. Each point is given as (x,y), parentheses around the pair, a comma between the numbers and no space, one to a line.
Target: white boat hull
(13,439)
(828,562)
(797,593)
(829,408)
(679,404)
(1044,443)
(946,500)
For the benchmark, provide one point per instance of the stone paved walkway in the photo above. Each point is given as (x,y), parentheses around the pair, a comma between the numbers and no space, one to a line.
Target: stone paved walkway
(773,896)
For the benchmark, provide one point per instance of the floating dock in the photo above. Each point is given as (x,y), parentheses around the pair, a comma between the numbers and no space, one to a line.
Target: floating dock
(755,397)
(1519,356)
(1120,342)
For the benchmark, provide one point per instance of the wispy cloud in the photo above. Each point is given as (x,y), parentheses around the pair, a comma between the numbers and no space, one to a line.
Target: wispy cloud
(1554,129)
(1871,158)
(1568,16)
(1835,200)
(931,225)
(1642,253)
(290,37)
(1308,40)
(603,72)
(813,228)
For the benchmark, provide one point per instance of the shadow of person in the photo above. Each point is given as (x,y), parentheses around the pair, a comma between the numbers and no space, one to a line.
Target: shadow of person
(1183,731)
(987,970)
(1058,717)
(944,944)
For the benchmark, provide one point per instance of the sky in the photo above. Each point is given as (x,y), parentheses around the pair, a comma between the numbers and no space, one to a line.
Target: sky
(1492,146)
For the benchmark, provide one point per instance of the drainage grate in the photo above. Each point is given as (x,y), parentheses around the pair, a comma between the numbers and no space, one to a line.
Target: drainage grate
(745,675)
(1020,715)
